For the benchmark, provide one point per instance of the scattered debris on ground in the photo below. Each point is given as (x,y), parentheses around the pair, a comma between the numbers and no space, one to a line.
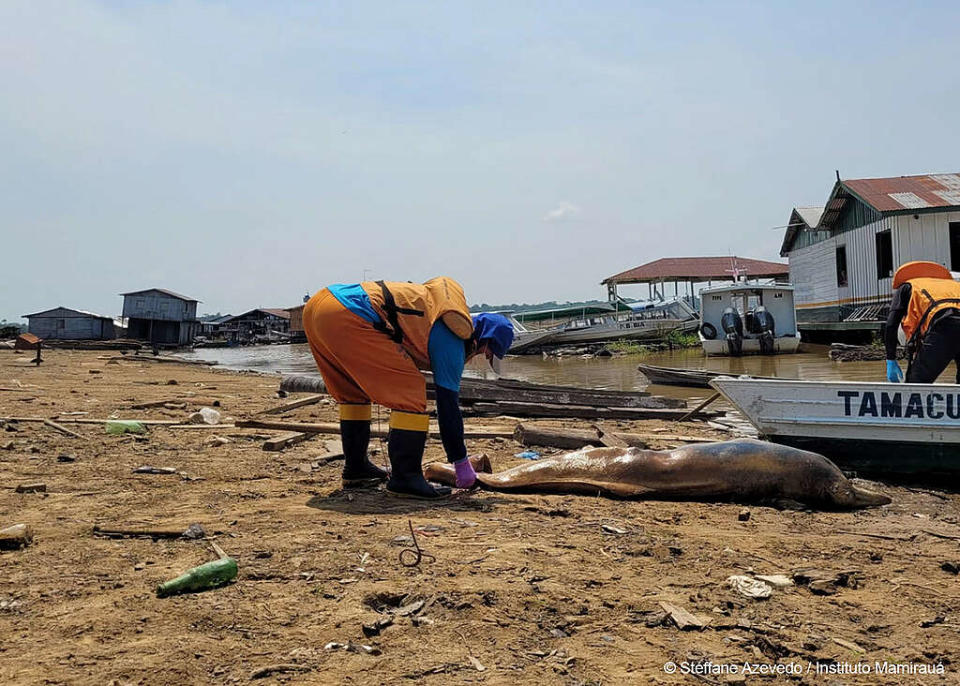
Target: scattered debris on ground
(527,589)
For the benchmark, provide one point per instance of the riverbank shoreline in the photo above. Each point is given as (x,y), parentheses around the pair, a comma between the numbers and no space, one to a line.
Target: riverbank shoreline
(521,589)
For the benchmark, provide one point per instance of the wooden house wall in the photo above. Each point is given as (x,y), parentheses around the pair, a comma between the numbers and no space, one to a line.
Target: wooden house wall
(813,273)
(156,305)
(813,269)
(74,327)
(296,319)
(925,238)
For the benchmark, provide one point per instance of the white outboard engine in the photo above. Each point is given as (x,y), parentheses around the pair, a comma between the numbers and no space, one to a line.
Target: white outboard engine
(733,328)
(763,322)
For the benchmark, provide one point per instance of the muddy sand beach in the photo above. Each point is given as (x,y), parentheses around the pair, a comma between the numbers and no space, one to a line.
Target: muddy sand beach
(512,589)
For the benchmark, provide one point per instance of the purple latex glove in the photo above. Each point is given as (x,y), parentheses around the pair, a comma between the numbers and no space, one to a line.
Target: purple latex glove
(466,477)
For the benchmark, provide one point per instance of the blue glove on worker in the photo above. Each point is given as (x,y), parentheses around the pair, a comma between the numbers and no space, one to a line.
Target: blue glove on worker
(894,375)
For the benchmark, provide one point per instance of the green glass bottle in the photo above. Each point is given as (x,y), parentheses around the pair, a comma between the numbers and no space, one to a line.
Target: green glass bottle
(208,575)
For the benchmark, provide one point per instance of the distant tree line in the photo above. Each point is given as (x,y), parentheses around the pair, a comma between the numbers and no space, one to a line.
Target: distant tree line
(527,307)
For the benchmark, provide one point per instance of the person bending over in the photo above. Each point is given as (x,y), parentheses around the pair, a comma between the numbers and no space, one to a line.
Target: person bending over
(370,340)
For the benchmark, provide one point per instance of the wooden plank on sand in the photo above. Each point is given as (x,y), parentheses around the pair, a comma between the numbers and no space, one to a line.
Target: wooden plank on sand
(293,404)
(334,428)
(286,440)
(576,411)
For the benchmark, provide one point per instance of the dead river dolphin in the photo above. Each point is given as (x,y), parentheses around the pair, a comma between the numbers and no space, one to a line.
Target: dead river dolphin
(744,469)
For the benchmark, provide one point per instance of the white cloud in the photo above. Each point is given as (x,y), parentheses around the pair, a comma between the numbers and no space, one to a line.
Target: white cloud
(565,210)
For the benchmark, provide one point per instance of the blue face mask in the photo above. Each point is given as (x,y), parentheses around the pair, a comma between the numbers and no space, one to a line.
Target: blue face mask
(495,331)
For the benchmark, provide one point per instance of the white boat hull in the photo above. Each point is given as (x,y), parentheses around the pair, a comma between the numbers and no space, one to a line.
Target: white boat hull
(751,346)
(873,426)
(527,339)
(652,329)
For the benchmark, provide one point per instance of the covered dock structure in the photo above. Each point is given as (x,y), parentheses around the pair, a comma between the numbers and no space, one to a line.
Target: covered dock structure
(691,271)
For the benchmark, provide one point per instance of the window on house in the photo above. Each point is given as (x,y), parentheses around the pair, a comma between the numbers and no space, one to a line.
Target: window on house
(61,324)
(884,255)
(842,265)
(955,246)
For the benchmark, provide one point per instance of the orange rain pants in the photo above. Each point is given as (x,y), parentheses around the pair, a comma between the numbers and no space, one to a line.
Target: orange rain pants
(358,363)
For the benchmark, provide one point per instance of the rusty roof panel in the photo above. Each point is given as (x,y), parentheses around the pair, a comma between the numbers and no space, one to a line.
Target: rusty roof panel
(900,193)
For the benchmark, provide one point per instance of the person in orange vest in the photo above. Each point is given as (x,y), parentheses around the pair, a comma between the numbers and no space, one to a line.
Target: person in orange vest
(926,304)
(370,340)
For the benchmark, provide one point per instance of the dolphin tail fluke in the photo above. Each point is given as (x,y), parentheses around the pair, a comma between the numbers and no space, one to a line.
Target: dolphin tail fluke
(442,472)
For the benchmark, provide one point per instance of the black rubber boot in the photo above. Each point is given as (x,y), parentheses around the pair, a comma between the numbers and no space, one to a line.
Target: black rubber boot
(406,477)
(358,470)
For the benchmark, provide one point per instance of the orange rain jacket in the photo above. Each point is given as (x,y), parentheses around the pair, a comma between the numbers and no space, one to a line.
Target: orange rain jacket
(361,361)
(927,297)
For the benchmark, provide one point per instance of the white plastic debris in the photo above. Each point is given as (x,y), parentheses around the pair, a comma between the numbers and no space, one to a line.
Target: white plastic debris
(749,587)
(209,415)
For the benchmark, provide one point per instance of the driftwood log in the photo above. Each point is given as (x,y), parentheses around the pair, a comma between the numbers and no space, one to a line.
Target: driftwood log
(62,429)
(16,536)
(293,404)
(302,384)
(474,391)
(286,440)
(204,402)
(553,437)
(334,428)
(191,532)
(575,411)
(177,360)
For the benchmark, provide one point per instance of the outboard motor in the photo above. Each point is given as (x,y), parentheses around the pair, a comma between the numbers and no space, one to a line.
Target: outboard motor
(763,321)
(733,328)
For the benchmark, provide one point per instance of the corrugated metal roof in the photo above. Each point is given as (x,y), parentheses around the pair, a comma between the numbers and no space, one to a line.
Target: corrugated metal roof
(275,311)
(900,193)
(699,269)
(165,292)
(78,313)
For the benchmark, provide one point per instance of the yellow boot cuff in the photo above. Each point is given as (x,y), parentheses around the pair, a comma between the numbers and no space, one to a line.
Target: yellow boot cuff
(409,421)
(356,413)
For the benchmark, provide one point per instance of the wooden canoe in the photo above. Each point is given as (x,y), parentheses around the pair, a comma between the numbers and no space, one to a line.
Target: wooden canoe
(676,376)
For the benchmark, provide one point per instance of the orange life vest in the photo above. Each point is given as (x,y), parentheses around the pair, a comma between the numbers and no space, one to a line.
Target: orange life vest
(927,298)
(409,311)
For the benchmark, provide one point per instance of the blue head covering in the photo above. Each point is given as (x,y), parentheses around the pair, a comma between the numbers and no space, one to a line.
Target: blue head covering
(495,330)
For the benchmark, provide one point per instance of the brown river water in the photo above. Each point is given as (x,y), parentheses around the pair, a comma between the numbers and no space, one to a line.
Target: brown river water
(615,373)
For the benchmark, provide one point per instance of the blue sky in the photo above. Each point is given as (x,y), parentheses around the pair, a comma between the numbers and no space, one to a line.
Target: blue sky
(248,153)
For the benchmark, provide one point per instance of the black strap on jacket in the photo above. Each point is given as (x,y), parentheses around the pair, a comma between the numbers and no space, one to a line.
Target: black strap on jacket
(391,310)
(914,343)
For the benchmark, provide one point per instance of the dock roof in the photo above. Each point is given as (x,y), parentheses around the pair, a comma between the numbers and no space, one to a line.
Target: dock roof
(697,269)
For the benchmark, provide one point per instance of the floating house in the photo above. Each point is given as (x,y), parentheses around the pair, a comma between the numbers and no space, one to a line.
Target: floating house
(160,316)
(842,261)
(66,324)
(210,324)
(259,325)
